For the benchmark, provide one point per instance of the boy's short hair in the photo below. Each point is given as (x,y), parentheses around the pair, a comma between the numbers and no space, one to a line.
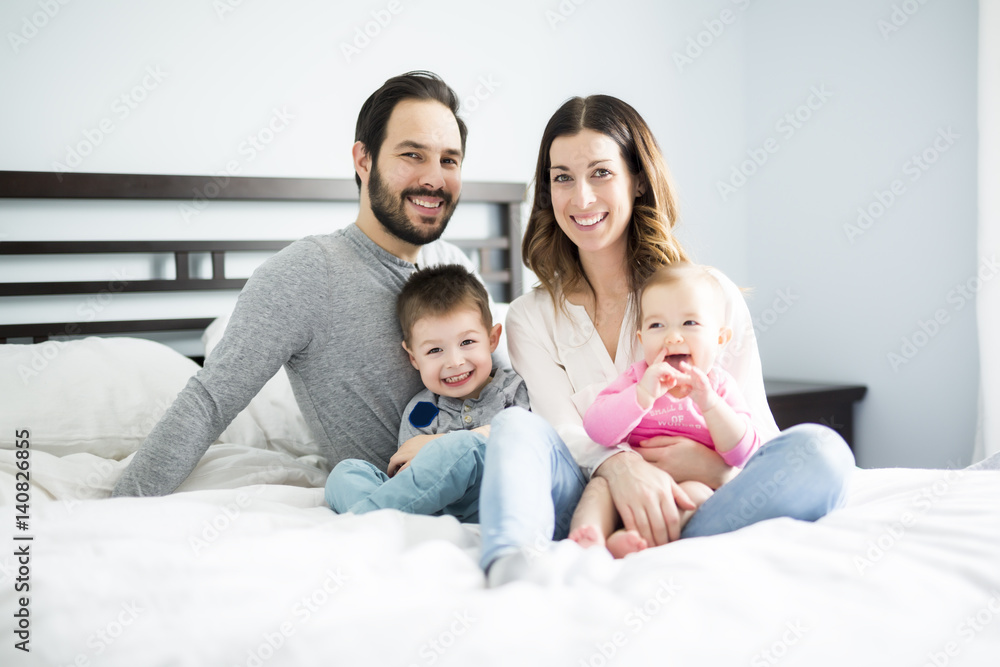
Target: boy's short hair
(682,272)
(439,290)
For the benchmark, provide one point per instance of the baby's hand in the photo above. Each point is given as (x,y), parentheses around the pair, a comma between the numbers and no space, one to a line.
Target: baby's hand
(702,393)
(659,378)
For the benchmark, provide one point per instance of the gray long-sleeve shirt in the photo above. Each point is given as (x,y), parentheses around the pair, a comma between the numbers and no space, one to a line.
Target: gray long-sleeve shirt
(325,308)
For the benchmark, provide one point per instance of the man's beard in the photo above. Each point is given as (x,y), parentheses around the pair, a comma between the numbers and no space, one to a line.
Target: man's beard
(390,210)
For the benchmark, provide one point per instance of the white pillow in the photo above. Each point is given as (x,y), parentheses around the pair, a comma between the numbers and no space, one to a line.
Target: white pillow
(96,395)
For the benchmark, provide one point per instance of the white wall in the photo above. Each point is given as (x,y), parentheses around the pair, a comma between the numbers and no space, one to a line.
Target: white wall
(988,307)
(858,292)
(222,75)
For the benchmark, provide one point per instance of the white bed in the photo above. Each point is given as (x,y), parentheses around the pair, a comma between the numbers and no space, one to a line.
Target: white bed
(246,566)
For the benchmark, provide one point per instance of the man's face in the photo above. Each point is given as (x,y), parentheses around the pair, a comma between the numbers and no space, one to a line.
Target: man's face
(415,184)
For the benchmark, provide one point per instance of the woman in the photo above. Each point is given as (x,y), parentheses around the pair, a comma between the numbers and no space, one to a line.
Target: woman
(601,223)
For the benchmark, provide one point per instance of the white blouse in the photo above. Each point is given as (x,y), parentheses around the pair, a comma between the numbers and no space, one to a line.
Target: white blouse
(565,364)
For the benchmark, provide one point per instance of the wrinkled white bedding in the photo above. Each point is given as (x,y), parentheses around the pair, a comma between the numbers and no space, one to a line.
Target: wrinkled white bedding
(264,574)
(246,566)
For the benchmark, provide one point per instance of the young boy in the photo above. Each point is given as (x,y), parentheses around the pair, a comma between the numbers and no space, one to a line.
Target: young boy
(449,334)
(675,390)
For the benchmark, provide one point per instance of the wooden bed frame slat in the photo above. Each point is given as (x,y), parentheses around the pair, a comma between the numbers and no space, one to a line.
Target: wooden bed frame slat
(42,331)
(51,185)
(96,247)
(507,197)
(181,250)
(119,286)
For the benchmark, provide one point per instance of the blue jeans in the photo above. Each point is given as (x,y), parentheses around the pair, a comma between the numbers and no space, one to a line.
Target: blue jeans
(532,484)
(443,478)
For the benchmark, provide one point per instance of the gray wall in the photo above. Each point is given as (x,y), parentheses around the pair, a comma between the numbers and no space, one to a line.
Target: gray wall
(713,79)
(864,287)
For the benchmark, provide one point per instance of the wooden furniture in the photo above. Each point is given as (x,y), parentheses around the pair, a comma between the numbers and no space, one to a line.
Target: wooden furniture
(795,402)
(499,256)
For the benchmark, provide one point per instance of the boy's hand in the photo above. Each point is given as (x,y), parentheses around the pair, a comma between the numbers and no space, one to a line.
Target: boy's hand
(406,452)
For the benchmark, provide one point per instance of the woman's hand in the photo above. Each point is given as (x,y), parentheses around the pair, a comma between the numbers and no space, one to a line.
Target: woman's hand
(646,497)
(684,460)
(407,451)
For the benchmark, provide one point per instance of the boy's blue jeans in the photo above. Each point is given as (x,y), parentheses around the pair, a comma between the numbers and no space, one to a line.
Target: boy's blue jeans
(444,478)
(532,484)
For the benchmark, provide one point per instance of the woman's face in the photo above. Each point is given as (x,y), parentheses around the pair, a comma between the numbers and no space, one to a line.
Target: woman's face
(592,191)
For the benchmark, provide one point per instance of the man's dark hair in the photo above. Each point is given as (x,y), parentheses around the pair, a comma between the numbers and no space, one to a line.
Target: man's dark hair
(438,291)
(374,115)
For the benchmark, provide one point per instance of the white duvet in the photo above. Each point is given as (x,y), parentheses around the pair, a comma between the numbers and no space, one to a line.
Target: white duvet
(907,574)
(246,566)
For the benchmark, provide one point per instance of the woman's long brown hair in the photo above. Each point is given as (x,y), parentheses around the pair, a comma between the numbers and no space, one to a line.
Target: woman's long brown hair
(549,252)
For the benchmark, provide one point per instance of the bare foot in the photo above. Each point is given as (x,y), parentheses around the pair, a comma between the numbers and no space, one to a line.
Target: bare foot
(587,536)
(625,542)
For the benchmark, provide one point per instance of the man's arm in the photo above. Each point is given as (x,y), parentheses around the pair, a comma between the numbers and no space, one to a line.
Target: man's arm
(274,319)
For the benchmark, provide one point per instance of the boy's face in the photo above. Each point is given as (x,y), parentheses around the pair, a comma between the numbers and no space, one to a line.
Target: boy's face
(452,352)
(687,320)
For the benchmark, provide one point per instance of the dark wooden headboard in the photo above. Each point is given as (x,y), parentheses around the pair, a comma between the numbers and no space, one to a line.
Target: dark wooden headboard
(499,256)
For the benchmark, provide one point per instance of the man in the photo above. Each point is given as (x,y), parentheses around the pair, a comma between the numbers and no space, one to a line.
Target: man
(324,307)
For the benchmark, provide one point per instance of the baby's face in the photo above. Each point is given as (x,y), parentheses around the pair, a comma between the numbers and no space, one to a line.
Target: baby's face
(685,318)
(452,352)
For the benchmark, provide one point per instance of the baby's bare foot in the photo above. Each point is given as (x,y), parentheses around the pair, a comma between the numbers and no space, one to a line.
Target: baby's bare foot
(625,542)
(587,536)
